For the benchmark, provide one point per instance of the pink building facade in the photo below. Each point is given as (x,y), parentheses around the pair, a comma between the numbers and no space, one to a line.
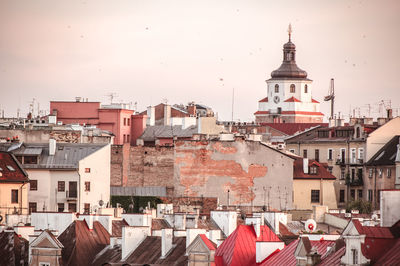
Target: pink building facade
(112,118)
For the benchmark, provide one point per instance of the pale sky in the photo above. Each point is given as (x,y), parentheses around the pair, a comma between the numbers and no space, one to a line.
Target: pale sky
(146,51)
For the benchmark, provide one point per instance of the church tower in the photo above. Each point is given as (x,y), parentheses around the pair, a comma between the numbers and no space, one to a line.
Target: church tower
(289,93)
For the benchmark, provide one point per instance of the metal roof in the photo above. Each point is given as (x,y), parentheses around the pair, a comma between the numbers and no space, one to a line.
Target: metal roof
(139,191)
(67,155)
(152,133)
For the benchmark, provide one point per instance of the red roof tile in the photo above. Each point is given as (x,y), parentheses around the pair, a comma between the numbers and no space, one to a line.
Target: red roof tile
(392,256)
(265,100)
(10,169)
(322,172)
(286,256)
(261,113)
(240,247)
(292,128)
(293,99)
(334,258)
(208,242)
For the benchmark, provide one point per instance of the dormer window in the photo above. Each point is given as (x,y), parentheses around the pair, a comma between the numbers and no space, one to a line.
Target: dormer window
(305,88)
(313,170)
(292,88)
(10,168)
(276,88)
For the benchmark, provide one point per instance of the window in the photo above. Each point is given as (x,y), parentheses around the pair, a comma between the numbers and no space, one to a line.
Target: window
(61,186)
(370,195)
(361,154)
(343,155)
(304,153)
(317,155)
(389,173)
(360,194)
(32,207)
(353,174)
(128,137)
(379,195)
(341,195)
(292,88)
(33,184)
(352,193)
(305,88)
(87,186)
(72,207)
(315,196)
(87,208)
(380,172)
(19,158)
(313,170)
(342,173)
(60,207)
(354,254)
(330,154)
(370,172)
(353,155)
(44,264)
(129,122)
(330,169)
(124,138)
(276,88)
(30,160)
(87,170)
(14,196)
(124,121)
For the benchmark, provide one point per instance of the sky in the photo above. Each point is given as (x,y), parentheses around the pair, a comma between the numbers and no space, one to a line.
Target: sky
(151,51)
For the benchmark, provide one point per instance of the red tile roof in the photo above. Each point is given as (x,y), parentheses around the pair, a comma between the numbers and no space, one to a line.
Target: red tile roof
(265,100)
(261,113)
(293,99)
(286,256)
(378,240)
(322,172)
(14,250)
(334,258)
(211,245)
(392,256)
(81,244)
(117,227)
(314,101)
(11,170)
(292,128)
(240,248)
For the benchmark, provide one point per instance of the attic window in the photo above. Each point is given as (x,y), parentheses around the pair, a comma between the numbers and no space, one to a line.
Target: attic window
(313,170)
(10,168)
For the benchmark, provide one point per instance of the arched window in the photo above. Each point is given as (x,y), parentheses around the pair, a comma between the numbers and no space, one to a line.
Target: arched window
(276,88)
(358,132)
(292,88)
(305,88)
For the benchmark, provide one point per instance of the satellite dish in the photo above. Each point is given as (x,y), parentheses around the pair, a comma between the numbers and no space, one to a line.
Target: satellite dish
(310,225)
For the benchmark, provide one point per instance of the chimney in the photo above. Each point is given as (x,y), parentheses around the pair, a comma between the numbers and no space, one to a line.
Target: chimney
(166,241)
(313,258)
(305,165)
(151,115)
(192,110)
(131,239)
(78,99)
(389,113)
(167,114)
(52,147)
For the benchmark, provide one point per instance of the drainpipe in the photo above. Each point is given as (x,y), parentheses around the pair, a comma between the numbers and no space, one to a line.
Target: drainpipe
(20,203)
(79,191)
(375,189)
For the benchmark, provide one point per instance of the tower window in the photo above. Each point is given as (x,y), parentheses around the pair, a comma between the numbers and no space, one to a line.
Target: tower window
(305,88)
(276,88)
(292,88)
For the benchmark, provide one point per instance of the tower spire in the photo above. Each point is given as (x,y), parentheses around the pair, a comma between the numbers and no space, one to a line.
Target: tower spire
(290,31)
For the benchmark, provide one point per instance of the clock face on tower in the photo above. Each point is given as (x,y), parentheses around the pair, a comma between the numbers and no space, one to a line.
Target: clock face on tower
(276,99)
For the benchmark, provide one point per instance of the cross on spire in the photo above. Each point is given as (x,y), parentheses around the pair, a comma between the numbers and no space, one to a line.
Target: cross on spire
(290,31)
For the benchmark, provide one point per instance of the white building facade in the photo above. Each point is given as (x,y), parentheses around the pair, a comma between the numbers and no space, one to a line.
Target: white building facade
(289,94)
(66,176)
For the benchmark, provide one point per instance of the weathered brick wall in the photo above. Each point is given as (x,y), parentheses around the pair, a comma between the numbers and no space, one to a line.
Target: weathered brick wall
(151,166)
(116,165)
(183,204)
(250,171)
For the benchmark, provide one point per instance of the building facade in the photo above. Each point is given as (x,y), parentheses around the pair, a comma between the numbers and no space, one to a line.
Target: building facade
(289,94)
(65,176)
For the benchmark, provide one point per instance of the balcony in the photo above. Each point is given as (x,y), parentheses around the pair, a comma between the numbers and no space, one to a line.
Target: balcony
(354,182)
(350,161)
(72,194)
